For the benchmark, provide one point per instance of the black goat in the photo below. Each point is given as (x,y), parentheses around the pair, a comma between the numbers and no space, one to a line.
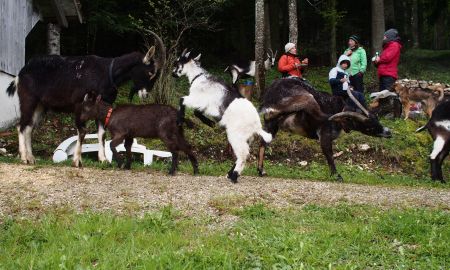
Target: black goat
(59,83)
(294,105)
(144,121)
(439,128)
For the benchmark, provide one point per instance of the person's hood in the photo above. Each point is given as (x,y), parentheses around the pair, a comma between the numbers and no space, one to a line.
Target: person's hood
(394,42)
(343,58)
(391,36)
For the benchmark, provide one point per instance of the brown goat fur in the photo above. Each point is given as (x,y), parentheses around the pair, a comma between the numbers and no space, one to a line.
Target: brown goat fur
(144,121)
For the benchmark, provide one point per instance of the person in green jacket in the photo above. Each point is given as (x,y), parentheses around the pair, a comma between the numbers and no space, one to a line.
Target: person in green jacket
(358,65)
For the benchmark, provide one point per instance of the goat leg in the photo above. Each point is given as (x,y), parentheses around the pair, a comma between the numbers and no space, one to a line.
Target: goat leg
(272,128)
(180,113)
(261,152)
(114,143)
(174,166)
(128,144)
(204,119)
(326,144)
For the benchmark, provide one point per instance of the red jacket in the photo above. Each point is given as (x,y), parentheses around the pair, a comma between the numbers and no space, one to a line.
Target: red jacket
(389,58)
(286,64)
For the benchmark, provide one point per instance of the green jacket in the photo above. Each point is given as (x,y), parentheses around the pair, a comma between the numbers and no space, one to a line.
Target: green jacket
(358,61)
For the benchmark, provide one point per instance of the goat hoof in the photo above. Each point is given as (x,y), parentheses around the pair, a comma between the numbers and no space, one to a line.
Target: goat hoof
(339,178)
(31,160)
(261,172)
(172,173)
(233,176)
(196,171)
(127,167)
(77,164)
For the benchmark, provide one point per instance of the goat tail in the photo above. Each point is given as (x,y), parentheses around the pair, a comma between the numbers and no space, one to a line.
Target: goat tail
(422,128)
(267,137)
(11,90)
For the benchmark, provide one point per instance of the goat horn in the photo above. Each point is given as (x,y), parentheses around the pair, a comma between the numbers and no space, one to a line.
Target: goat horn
(271,52)
(149,55)
(351,114)
(352,97)
(161,61)
(184,52)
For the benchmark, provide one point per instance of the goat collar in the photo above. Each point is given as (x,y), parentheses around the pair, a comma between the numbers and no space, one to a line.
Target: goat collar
(195,78)
(108,116)
(110,73)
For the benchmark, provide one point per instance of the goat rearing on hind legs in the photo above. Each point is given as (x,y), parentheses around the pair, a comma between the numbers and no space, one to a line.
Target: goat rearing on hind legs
(60,83)
(212,97)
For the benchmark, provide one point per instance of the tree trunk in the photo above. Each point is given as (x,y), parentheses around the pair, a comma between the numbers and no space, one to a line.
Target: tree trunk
(377,25)
(259,47)
(440,32)
(333,23)
(268,36)
(293,21)
(389,13)
(415,24)
(406,23)
(275,24)
(53,39)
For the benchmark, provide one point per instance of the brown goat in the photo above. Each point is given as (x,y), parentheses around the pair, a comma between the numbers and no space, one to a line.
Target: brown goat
(144,121)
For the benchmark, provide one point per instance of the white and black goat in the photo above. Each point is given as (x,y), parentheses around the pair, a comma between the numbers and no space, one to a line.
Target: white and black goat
(439,128)
(212,97)
(247,68)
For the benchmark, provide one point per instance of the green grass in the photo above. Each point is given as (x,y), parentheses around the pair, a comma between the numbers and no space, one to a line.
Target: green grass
(339,237)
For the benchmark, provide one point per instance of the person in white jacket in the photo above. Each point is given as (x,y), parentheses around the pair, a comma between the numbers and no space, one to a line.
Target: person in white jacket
(340,82)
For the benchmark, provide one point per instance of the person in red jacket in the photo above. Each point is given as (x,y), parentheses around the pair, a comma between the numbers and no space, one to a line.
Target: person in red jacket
(289,63)
(387,62)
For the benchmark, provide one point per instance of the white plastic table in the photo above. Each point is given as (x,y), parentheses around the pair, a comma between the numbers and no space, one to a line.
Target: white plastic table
(67,148)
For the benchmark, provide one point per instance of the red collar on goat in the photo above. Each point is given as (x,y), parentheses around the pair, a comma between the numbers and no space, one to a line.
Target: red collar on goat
(108,116)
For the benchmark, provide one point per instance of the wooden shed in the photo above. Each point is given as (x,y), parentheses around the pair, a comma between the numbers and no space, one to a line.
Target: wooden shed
(17,20)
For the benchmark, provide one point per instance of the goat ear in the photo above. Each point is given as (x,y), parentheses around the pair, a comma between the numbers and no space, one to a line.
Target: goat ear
(198,57)
(268,55)
(86,97)
(187,54)
(151,75)
(148,57)
(99,98)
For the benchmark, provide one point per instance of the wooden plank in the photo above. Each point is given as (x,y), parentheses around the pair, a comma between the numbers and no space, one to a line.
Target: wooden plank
(17,20)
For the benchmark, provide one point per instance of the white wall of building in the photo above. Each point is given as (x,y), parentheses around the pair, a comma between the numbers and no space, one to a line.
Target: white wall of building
(9,106)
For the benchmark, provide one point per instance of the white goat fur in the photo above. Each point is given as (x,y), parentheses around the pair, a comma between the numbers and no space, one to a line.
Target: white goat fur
(240,118)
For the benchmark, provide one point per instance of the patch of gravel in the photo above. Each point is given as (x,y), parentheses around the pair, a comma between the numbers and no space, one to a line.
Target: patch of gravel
(27,190)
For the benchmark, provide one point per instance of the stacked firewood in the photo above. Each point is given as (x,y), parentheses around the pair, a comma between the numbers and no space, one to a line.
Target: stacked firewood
(425,85)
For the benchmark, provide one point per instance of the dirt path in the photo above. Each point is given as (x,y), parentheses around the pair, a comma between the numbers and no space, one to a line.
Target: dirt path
(26,189)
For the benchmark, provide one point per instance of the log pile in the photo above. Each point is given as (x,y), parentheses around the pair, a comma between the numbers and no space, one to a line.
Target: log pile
(430,85)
